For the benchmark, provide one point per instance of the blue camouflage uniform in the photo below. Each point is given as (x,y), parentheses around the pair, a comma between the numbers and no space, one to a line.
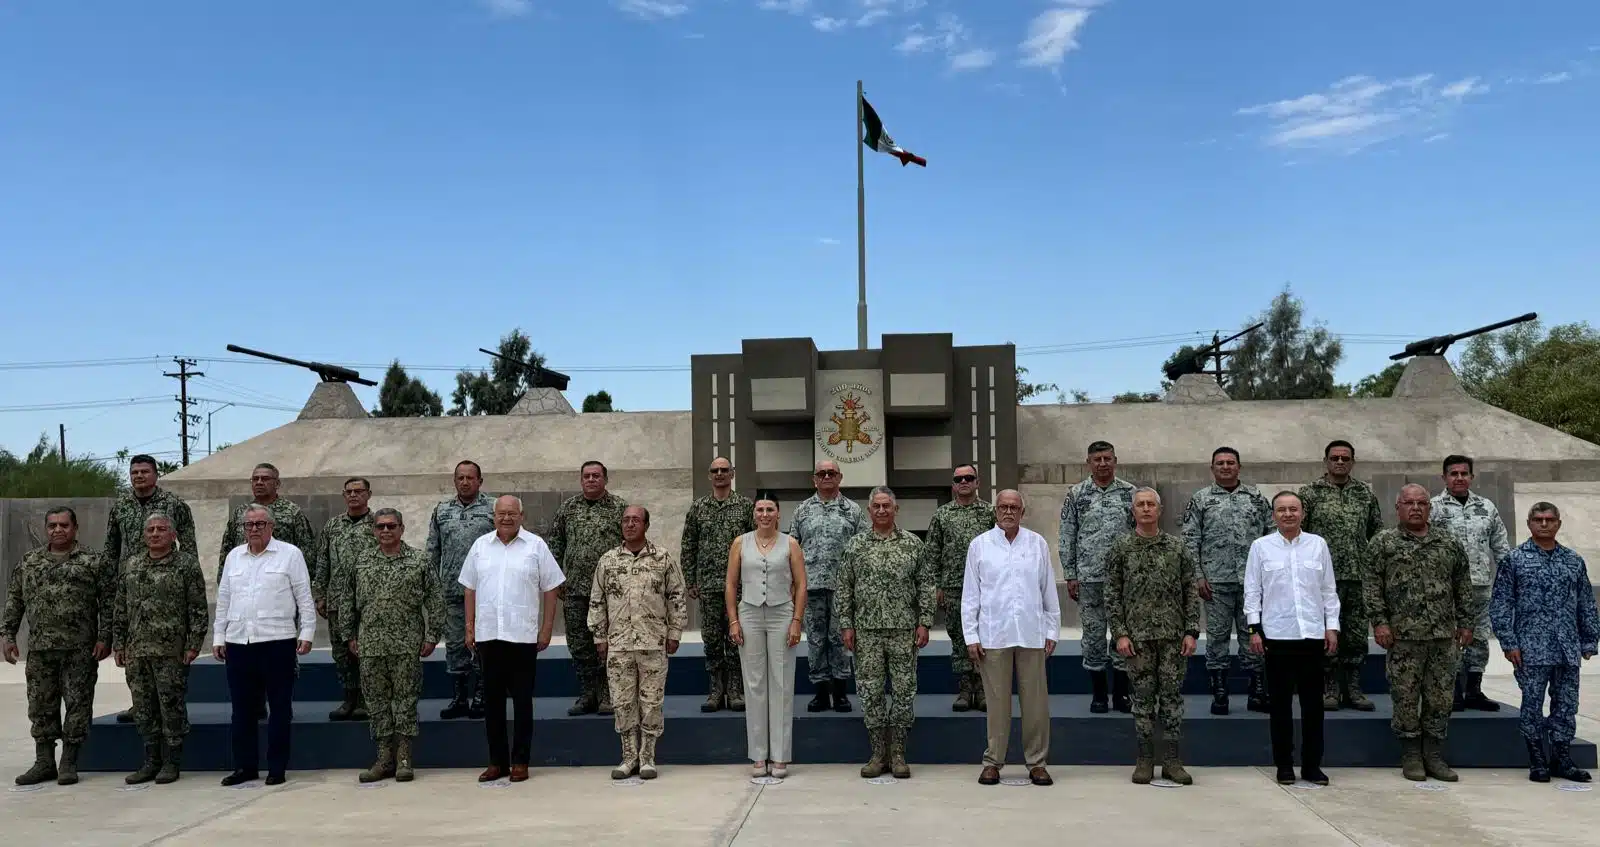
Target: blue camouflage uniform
(1092,518)
(822,527)
(1543,604)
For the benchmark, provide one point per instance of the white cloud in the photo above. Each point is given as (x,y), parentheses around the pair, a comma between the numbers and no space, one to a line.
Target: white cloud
(1438,136)
(1359,111)
(827,24)
(971,60)
(653,9)
(875,11)
(949,35)
(1053,33)
(793,7)
(1464,88)
(829,242)
(1553,79)
(507,8)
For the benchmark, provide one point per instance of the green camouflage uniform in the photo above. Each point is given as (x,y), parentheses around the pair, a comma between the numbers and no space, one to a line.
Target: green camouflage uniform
(159,615)
(451,530)
(582,531)
(68,600)
(341,541)
(1347,517)
(289,525)
(125,527)
(886,590)
(1218,527)
(822,528)
(391,608)
(708,531)
(1476,524)
(1092,518)
(637,603)
(1421,588)
(1152,600)
(949,534)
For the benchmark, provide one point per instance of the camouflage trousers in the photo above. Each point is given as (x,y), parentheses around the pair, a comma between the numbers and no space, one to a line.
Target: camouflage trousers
(887,658)
(1224,620)
(580,645)
(393,684)
(638,680)
(457,658)
(1422,681)
(1562,683)
(1475,658)
(1097,647)
(345,664)
(722,655)
(1354,627)
(1155,673)
(826,657)
(160,688)
(60,679)
(960,662)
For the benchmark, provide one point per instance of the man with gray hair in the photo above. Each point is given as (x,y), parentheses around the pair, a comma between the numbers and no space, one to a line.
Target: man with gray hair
(822,524)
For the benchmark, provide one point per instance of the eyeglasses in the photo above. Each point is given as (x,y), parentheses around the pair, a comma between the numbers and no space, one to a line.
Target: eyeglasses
(257,524)
(827,474)
(1341,460)
(966,478)
(383,527)
(1007,507)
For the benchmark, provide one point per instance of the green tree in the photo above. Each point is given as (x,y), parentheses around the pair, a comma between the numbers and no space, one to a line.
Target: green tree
(496,391)
(401,396)
(41,473)
(1137,397)
(1378,385)
(1551,379)
(600,401)
(1028,390)
(1284,360)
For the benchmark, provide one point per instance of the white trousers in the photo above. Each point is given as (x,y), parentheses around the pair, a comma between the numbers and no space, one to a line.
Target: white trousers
(767,664)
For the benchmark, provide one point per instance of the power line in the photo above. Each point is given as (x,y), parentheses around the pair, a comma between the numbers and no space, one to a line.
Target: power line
(87,404)
(242,403)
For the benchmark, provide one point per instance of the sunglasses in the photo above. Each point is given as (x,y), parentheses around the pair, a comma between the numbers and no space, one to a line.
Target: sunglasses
(827,474)
(382,527)
(720,471)
(966,478)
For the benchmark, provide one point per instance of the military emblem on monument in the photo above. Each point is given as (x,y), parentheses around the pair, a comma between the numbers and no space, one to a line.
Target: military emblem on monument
(851,433)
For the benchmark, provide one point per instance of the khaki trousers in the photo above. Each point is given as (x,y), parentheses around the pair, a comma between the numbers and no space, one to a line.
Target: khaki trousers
(996,669)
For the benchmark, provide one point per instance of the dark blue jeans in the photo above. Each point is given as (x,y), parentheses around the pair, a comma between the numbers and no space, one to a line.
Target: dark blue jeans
(265,667)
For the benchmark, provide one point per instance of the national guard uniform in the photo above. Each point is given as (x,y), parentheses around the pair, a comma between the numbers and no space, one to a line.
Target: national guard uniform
(886,590)
(822,527)
(1421,588)
(342,540)
(582,531)
(67,599)
(1543,605)
(1153,601)
(636,605)
(289,525)
(1218,527)
(1477,525)
(708,532)
(1092,518)
(452,528)
(949,534)
(1347,517)
(125,532)
(393,608)
(158,618)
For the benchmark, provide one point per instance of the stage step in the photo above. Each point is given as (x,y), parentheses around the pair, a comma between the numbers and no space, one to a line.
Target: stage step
(1354,739)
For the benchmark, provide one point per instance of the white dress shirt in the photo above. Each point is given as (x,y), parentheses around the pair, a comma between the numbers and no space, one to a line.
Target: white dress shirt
(1289,587)
(1008,596)
(260,597)
(509,582)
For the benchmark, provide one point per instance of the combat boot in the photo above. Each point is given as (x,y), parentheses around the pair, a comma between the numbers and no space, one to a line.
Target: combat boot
(347,707)
(963,701)
(1475,698)
(841,695)
(44,764)
(457,707)
(586,704)
(1119,692)
(880,753)
(67,772)
(1538,765)
(603,704)
(403,771)
(1411,760)
(1330,689)
(1172,764)
(1097,700)
(715,696)
(475,709)
(821,702)
(735,687)
(148,770)
(171,765)
(897,754)
(1144,766)
(383,768)
(980,701)
(1561,763)
(630,756)
(1433,762)
(1352,691)
(647,757)
(360,713)
(1258,701)
(1219,692)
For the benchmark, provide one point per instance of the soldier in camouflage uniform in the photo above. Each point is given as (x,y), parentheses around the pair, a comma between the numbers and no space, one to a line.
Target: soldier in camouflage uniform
(453,526)
(585,526)
(709,529)
(158,626)
(125,527)
(1345,512)
(1544,614)
(886,602)
(392,612)
(637,612)
(1219,525)
(1419,593)
(822,523)
(951,531)
(1476,523)
(1153,605)
(342,541)
(66,592)
(1095,513)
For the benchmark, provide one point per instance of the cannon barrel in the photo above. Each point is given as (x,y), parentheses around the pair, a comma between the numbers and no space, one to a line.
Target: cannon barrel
(328,373)
(1437,345)
(1192,364)
(542,377)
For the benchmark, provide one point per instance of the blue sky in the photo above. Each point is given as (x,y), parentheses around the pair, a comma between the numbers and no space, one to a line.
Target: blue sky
(632,182)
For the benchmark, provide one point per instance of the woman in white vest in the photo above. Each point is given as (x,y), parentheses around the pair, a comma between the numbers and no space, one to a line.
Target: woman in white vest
(765,599)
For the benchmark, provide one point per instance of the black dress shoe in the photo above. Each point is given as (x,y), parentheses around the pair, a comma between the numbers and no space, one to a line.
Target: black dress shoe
(1314,775)
(239,778)
(275,779)
(1286,776)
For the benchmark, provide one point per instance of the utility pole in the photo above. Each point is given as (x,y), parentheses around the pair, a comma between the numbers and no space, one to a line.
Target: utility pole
(182,376)
(63,444)
(208,424)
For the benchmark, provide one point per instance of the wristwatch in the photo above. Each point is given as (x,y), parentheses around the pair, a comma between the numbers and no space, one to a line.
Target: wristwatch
(1253,629)
(1193,633)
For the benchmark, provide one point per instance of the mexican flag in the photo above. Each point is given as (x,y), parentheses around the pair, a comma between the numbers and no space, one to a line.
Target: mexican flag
(877,139)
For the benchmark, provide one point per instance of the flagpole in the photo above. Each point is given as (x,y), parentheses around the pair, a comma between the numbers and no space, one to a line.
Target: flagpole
(861,228)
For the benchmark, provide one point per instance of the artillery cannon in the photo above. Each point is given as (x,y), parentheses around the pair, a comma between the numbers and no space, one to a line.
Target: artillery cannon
(542,377)
(329,373)
(1192,365)
(1436,345)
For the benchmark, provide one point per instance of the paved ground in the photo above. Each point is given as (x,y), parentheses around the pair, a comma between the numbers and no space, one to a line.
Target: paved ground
(823,805)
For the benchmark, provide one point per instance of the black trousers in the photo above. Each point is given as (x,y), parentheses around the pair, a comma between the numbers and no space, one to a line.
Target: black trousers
(1295,667)
(508,669)
(263,669)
